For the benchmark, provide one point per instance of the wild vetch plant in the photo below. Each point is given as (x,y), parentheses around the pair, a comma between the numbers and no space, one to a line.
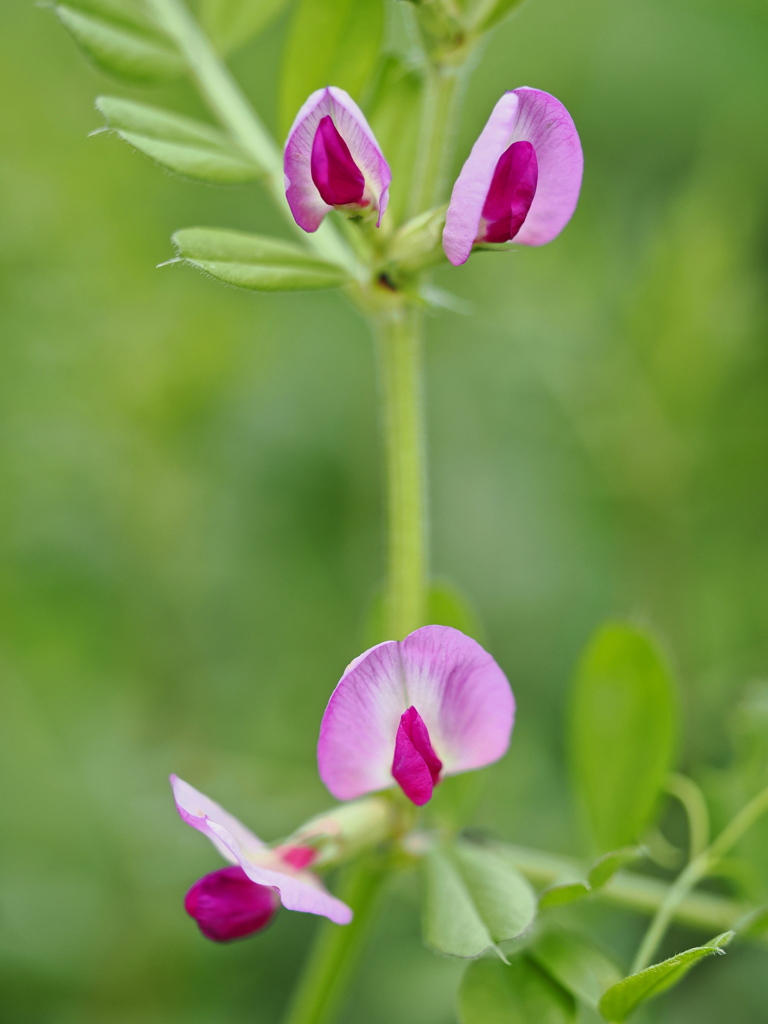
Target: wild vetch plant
(373,213)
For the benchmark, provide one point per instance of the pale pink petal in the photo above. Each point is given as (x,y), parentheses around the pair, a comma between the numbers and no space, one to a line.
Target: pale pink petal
(523,115)
(303,197)
(457,688)
(197,810)
(299,890)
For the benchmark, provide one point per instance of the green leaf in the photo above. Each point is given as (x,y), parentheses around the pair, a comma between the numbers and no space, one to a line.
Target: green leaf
(565,892)
(621,999)
(230,23)
(518,993)
(252,261)
(329,44)
(576,963)
(120,39)
(392,115)
(622,738)
(494,12)
(605,867)
(474,900)
(181,144)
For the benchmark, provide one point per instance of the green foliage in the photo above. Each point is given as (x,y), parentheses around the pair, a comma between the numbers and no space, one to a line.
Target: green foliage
(576,963)
(230,23)
(622,732)
(391,113)
(490,13)
(605,867)
(121,39)
(180,144)
(562,893)
(446,606)
(474,899)
(329,44)
(621,999)
(255,262)
(517,993)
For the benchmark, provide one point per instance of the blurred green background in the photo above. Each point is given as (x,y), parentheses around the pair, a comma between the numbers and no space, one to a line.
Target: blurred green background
(190,499)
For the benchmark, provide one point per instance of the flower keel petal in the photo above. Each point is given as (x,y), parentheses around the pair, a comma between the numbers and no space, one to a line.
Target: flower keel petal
(227,905)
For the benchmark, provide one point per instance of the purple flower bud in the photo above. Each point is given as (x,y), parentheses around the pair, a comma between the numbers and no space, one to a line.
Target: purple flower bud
(333,161)
(522,179)
(408,711)
(227,905)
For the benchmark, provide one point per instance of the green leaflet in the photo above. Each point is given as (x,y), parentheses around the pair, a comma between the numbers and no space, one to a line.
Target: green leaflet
(576,964)
(181,144)
(230,23)
(566,892)
(474,900)
(120,39)
(621,999)
(622,732)
(255,262)
(329,44)
(517,993)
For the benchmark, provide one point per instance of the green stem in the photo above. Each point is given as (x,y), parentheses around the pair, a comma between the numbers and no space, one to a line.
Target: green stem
(337,949)
(694,804)
(227,101)
(439,116)
(400,369)
(696,870)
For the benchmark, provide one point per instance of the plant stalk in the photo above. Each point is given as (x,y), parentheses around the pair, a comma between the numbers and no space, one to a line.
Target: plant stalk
(698,868)
(400,356)
(337,949)
(439,121)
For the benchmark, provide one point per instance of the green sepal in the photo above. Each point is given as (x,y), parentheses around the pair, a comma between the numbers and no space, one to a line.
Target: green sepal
(622,732)
(121,40)
(492,992)
(230,23)
(474,899)
(255,262)
(621,999)
(180,144)
(577,964)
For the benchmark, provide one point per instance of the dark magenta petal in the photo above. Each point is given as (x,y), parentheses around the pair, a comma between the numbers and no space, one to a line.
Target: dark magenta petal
(227,905)
(416,767)
(511,193)
(336,175)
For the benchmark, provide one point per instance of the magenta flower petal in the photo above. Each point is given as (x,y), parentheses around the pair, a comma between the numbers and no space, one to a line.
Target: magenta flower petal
(359,154)
(415,767)
(523,115)
(299,889)
(227,905)
(462,698)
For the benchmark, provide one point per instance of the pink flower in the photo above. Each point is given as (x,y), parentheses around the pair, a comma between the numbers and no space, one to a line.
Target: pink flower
(333,161)
(522,179)
(228,901)
(412,711)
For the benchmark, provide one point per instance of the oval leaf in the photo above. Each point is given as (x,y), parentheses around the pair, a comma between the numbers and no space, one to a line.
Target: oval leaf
(329,44)
(181,144)
(517,993)
(576,964)
(255,262)
(622,738)
(120,40)
(621,999)
(230,23)
(474,900)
